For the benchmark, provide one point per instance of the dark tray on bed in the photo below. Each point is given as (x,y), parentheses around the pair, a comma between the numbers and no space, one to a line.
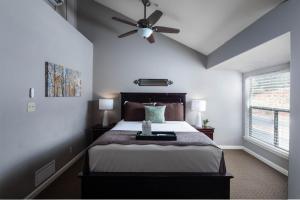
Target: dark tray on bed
(157,135)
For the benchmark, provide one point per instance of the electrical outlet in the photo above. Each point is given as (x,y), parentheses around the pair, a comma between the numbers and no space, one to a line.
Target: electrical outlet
(31,107)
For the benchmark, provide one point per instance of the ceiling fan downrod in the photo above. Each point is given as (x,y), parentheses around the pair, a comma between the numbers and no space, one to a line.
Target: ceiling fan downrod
(146,3)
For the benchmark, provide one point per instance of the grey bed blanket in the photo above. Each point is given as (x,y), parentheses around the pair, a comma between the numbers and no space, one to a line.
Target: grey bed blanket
(183,139)
(128,137)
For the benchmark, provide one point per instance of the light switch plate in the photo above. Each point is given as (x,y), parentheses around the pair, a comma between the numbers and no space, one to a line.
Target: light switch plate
(31,107)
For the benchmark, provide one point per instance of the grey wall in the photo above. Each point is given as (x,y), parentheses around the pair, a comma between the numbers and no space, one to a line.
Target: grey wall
(279,21)
(278,160)
(32,33)
(118,62)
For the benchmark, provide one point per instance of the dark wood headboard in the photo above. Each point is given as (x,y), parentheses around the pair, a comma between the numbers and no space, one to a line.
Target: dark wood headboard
(152,97)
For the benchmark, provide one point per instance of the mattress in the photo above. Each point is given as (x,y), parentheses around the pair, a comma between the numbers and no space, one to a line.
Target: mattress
(154,158)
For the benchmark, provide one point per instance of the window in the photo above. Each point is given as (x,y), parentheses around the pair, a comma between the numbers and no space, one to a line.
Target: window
(268,109)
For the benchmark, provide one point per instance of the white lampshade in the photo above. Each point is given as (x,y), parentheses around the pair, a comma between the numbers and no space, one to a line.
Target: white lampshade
(106,104)
(145,32)
(198,105)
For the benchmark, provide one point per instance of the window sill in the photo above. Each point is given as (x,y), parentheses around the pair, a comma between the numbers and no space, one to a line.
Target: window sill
(267,147)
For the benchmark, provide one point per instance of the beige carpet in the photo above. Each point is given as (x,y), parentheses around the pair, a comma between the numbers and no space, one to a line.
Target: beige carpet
(252,179)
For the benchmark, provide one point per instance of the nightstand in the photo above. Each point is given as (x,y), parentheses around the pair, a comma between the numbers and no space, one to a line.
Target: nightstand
(98,130)
(209,131)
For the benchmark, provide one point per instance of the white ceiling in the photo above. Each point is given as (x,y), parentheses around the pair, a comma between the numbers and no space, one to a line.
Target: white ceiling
(205,24)
(272,53)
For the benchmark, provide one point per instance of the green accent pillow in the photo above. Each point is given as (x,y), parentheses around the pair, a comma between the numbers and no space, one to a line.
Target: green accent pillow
(155,114)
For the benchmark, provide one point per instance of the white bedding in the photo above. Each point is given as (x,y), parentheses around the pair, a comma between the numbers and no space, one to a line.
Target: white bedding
(176,126)
(154,158)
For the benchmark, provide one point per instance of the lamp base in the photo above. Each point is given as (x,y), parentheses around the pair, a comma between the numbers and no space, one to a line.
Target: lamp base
(198,123)
(105,122)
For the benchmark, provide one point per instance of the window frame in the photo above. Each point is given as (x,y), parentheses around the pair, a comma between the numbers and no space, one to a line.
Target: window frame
(284,68)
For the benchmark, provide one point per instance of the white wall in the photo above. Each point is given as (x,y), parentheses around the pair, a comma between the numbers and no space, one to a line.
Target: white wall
(31,34)
(118,62)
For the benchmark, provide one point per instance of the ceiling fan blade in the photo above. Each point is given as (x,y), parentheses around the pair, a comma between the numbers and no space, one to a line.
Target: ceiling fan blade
(128,33)
(151,39)
(163,29)
(124,21)
(154,17)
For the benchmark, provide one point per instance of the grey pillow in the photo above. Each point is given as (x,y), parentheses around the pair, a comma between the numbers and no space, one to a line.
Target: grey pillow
(135,111)
(174,111)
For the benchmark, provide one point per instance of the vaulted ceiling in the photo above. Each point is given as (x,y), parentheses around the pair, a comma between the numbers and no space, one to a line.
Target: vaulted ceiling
(272,53)
(205,24)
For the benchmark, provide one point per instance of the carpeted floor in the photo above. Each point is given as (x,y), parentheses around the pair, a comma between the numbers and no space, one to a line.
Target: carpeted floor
(252,180)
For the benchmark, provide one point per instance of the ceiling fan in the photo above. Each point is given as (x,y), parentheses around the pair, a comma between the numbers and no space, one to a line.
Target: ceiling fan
(145,26)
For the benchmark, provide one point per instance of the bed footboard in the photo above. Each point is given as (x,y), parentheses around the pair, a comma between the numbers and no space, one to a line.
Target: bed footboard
(155,185)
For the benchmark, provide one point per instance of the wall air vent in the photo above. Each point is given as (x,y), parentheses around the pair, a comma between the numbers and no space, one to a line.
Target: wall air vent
(45,172)
(56,2)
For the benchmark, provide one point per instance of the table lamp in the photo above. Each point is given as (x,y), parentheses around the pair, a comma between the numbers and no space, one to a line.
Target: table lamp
(105,104)
(199,106)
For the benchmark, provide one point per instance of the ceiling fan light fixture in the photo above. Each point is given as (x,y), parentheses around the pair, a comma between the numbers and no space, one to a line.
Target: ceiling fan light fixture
(145,32)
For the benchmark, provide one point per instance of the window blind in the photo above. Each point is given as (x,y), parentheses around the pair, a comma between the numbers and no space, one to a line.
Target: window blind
(269,106)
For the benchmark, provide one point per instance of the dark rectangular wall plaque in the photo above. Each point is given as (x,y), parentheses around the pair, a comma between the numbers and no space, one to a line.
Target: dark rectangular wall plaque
(153,82)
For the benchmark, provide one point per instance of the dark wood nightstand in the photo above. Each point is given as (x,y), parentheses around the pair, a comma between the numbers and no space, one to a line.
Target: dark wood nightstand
(209,131)
(98,130)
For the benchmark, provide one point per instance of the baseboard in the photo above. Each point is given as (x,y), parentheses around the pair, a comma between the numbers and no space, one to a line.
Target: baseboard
(266,161)
(230,147)
(45,184)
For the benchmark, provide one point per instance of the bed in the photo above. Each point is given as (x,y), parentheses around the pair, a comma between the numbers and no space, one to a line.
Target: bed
(118,170)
